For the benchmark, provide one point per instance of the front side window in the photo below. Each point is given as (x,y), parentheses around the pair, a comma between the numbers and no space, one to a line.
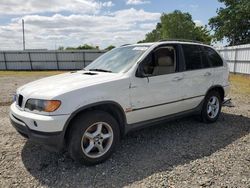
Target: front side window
(165,59)
(193,56)
(213,57)
(161,61)
(118,60)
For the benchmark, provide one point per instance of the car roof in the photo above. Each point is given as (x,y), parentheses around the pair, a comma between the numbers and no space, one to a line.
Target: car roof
(169,42)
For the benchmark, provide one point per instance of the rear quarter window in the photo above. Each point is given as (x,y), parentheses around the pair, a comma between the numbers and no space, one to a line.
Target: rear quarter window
(213,57)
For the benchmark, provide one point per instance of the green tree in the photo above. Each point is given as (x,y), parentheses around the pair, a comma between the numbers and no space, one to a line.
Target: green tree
(232,22)
(83,47)
(60,48)
(70,48)
(202,34)
(110,47)
(87,47)
(154,35)
(178,25)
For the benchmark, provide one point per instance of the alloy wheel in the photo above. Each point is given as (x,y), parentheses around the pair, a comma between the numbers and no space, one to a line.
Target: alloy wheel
(97,139)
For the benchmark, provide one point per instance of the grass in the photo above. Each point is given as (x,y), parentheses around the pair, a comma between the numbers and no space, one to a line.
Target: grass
(29,73)
(240,84)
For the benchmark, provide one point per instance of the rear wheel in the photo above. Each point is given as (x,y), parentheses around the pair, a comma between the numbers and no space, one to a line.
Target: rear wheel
(211,107)
(93,137)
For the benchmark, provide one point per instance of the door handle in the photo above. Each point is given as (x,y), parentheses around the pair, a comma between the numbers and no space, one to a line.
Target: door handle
(207,74)
(132,86)
(177,78)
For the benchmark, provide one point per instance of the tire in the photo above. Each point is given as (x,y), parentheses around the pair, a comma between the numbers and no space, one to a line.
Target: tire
(93,137)
(211,107)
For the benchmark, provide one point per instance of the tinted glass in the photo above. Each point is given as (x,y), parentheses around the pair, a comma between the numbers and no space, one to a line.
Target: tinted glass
(213,57)
(205,62)
(193,56)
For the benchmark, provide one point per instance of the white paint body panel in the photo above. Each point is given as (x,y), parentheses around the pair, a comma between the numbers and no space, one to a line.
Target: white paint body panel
(77,89)
(154,91)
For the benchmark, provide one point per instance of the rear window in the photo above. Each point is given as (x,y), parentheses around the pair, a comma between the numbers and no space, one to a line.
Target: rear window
(193,56)
(213,57)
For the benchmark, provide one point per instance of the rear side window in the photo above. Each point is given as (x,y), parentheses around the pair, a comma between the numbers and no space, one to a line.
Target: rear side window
(205,62)
(193,56)
(213,57)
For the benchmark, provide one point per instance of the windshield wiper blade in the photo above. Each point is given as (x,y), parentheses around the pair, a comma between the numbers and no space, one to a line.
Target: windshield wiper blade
(100,70)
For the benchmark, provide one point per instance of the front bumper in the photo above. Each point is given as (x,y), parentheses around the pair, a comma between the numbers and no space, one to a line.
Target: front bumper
(46,130)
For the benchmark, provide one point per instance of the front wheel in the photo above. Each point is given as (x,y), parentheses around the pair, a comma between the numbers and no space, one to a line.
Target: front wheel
(211,107)
(93,137)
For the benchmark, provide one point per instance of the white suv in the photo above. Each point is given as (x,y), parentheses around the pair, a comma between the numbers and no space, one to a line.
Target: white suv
(88,111)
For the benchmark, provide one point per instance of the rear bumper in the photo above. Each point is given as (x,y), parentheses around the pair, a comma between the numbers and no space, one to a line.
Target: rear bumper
(226,90)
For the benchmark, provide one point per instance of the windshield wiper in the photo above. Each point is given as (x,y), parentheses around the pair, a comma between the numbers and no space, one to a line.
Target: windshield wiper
(100,70)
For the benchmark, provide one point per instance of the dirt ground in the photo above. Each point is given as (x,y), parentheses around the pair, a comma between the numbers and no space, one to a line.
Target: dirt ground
(181,153)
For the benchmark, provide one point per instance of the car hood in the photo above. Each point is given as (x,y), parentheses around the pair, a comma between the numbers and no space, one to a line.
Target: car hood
(50,87)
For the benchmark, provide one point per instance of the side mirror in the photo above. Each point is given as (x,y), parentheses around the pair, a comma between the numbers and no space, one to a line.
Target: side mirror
(140,72)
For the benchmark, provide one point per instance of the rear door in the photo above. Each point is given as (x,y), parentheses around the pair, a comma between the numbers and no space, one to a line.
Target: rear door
(198,74)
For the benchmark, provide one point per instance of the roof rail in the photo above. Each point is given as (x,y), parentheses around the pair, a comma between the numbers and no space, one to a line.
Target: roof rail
(125,45)
(181,40)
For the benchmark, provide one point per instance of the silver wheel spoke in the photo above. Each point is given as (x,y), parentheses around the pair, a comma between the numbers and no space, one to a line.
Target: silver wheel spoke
(105,136)
(213,100)
(99,147)
(209,109)
(98,130)
(212,113)
(89,135)
(90,147)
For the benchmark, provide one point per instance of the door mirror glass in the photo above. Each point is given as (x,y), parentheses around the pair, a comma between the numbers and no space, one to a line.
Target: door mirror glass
(145,68)
(141,72)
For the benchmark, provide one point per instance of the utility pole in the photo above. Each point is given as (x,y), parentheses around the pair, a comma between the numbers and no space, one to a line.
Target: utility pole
(23,35)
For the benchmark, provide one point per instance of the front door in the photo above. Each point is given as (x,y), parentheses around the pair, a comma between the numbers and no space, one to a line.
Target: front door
(160,92)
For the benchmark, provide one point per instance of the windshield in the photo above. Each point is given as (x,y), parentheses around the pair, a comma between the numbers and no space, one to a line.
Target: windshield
(118,59)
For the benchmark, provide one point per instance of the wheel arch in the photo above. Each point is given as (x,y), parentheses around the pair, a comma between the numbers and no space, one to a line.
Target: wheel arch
(111,107)
(219,89)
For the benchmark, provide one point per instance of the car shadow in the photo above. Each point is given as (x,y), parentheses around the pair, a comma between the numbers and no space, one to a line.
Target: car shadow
(141,153)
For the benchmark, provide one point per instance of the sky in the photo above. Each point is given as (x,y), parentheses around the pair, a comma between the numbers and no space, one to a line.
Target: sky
(53,23)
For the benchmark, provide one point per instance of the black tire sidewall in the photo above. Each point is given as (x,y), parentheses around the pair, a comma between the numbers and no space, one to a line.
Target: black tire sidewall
(204,114)
(79,126)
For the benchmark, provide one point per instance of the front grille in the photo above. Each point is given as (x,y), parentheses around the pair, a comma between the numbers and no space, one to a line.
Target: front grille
(20,100)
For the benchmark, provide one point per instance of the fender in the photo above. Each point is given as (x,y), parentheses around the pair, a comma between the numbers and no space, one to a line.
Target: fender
(73,114)
(216,86)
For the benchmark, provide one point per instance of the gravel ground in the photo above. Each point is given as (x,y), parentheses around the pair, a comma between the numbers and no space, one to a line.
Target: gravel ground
(182,153)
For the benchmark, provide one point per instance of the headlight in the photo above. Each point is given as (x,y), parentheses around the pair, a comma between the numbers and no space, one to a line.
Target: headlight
(42,105)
